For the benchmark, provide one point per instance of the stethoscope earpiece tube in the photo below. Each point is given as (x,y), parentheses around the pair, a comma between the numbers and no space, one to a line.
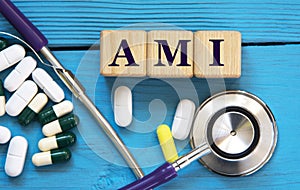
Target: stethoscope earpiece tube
(168,171)
(30,33)
(161,175)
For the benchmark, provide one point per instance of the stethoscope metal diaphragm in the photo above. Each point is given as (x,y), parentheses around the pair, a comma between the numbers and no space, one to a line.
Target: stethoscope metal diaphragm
(240,130)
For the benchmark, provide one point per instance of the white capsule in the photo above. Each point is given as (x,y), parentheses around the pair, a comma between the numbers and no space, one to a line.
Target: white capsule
(48,85)
(21,98)
(123,106)
(19,74)
(16,155)
(5,135)
(11,55)
(183,119)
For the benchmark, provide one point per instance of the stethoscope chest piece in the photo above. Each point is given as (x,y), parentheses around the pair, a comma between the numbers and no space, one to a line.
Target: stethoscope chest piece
(240,130)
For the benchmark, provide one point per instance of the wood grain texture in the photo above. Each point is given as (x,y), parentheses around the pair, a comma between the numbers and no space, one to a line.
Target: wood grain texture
(206,63)
(114,44)
(170,54)
(77,23)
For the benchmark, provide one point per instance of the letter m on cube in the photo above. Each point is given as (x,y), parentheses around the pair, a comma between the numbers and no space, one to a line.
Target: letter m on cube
(170,54)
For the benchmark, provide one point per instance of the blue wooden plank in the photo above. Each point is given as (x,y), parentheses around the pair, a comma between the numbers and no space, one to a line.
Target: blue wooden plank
(271,72)
(78,23)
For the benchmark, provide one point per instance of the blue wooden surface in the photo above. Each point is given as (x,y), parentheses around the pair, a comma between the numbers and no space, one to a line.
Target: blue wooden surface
(271,72)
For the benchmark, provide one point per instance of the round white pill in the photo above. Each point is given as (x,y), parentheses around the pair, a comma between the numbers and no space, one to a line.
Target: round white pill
(4,135)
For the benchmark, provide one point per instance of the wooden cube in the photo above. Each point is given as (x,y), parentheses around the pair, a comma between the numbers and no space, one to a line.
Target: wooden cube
(123,53)
(217,54)
(170,54)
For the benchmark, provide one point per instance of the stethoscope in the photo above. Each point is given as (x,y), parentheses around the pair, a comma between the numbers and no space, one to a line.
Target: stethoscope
(234,134)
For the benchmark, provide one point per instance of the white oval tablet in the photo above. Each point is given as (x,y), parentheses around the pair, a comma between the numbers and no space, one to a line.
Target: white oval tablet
(48,85)
(16,155)
(5,135)
(21,98)
(11,55)
(123,106)
(183,119)
(19,74)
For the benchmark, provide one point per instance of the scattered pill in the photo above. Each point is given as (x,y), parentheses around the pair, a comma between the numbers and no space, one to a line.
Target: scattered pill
(59,141)
(51,157)
(123,106)
(11,55)
(33,108)
(3,43)
(16,155)
(60,125)
(2,100)
(4,135)
(183,119)
(21,98)
(54,112)
(21,72)
(167,143)
(48,85)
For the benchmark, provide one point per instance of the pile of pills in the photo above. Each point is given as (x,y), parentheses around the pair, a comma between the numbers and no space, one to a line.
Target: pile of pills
(56,121)
(181,126)
(27,102)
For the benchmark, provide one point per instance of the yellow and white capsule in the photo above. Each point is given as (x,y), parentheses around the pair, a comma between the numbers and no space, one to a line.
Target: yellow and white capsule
(167,143)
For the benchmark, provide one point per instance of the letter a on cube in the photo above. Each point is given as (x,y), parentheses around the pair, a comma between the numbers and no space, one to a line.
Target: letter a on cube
(123,53)
(170,54)
(217,54)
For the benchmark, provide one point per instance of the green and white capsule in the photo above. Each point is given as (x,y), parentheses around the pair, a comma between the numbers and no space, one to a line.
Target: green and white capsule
(51,157)
(55,112)
(60,125)
(33,108)
(2,99)
(59,141)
